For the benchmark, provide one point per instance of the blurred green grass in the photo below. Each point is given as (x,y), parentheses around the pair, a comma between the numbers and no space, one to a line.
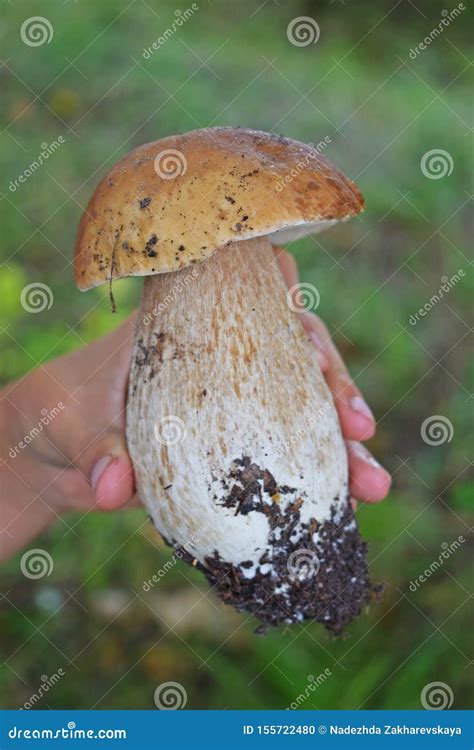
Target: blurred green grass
(233,64)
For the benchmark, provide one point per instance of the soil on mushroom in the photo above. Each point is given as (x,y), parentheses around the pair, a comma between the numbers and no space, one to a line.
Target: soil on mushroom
(314,571)
(334,595)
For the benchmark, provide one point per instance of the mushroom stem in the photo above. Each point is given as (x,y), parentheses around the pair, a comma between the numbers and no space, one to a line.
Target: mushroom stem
(236,443)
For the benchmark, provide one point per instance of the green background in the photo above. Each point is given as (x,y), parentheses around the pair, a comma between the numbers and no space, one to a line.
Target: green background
(232,64)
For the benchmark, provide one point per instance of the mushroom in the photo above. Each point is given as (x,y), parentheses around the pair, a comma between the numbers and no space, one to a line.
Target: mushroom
(236,444)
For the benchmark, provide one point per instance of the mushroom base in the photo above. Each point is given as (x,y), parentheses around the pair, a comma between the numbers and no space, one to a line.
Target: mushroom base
(330,584)
(236,442)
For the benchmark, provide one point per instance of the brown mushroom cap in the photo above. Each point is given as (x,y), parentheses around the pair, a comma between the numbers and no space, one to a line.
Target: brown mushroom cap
(173,202)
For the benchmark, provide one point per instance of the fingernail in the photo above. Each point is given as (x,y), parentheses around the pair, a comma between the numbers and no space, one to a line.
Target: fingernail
(362,453)
(360,407)
(322,359)
(316,340)
(369,459)
(99,469)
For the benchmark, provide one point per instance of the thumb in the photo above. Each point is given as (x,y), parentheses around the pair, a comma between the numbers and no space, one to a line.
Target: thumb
(106,465)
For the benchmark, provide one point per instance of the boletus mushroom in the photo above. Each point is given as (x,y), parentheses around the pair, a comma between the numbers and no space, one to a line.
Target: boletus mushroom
(236,444)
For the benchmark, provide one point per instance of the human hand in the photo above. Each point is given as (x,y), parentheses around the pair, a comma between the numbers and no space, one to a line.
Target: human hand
(63,439)
(369,481)
(79,460)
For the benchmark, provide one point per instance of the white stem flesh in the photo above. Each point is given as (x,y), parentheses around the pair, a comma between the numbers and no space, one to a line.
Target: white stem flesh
(223,371)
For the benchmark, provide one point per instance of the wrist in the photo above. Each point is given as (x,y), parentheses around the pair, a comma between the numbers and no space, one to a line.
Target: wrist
(8,431)
(23,512)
